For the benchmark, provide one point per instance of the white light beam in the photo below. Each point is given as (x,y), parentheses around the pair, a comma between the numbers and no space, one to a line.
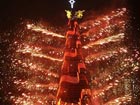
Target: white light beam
(72,3)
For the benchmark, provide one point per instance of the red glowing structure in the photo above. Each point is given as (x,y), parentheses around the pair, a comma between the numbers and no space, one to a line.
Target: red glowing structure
(74,83)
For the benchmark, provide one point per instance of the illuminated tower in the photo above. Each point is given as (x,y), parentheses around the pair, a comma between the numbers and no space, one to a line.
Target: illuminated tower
(74,83)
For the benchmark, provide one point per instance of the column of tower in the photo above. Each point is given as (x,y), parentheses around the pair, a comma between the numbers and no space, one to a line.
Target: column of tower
(73,79)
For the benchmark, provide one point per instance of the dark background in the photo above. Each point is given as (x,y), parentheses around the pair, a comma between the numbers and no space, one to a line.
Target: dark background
(12,11)
(53,10)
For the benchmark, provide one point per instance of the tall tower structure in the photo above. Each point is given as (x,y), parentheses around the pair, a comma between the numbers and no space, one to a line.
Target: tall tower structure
(74,83)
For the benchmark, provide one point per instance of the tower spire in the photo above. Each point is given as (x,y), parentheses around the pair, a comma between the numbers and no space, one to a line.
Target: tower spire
(72,2)
(74,83)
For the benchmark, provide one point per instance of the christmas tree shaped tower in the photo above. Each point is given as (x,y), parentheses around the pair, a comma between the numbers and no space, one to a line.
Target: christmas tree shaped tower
(74,83)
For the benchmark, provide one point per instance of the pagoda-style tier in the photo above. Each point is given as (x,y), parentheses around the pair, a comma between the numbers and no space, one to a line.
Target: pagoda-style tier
(74,76)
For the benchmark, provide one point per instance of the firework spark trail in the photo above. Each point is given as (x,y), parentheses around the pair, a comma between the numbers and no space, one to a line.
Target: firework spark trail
(43,31)
(108,28)
(36,53)
(107,18)
(29,48)
(33,99)
(105,29)
(103,26)
(113,38)
(30,85)
(104,55)
(49,50)
(44,56)
(36,68)
(53,48)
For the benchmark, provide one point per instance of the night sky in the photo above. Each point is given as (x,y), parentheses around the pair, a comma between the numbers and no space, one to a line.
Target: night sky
(51,10)
(48,8)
